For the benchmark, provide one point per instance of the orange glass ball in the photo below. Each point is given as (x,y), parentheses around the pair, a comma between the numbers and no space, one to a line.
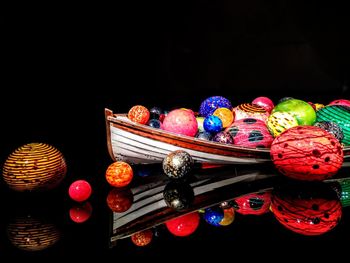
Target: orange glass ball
(34,166)
(139,114)
(119,174)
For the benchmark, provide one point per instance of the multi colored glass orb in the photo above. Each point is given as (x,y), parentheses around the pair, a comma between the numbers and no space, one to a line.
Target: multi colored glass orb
(307,153)
(225,115)
(341,102)
(79,190)
(120,200)
(178,195)
(339,115)
(253,204)
(32,234)
(278,122)
(212,124)
(80,213)
(223,137)
(142,238)
(264,102)
(301,110)
(249,110)
(181,121)
(332,128)
(184,225)
(34,166)
(310,209)
(251,133)
(139,114)
(213,215)
(119,174)
(209,105)
(177,164)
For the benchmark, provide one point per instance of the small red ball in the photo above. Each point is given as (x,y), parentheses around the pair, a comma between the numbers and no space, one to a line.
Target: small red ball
(80,190)
(120,200)
(80,213)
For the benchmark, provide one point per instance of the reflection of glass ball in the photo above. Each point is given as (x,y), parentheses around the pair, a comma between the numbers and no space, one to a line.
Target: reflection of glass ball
(184,225)
(253,204)
(142,238)
(178,195)
(80,213)
(307,208)
(177,164)
(120,200)
(30,234)
(34,166)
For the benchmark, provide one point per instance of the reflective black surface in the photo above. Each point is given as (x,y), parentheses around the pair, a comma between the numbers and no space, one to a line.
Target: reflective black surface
(64,65)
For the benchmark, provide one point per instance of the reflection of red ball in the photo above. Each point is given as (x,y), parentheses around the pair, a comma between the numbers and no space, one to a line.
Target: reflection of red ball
(181,121)
(184,225)
(79,190)
(142,238)
(139,114)
(307,153)
(253,204)
(119,200)
(80,213)
(119,174)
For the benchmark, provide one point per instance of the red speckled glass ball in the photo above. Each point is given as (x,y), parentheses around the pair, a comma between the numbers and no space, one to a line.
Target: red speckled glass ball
(80,190)
(119,174)
(120,200)
(142,238)
(181,121)
(253,204)
(139,114)
(308,210)
(80,213)
(184,225)
(307,153)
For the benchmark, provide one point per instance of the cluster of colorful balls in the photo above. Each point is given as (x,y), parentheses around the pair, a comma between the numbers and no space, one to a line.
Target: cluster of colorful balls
(262,124)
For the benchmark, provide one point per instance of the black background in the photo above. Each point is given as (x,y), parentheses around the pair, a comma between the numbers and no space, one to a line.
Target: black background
(62,65)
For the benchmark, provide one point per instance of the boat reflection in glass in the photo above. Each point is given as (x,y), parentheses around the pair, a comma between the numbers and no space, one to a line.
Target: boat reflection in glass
(215,195)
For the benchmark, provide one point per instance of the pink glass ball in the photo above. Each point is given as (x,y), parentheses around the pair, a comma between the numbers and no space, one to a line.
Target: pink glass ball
(181,121)
(264,102)
(341,102)
(80,190)
(307,153)
(250,133)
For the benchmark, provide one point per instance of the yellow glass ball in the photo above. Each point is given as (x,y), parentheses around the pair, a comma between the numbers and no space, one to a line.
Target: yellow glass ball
(34,166)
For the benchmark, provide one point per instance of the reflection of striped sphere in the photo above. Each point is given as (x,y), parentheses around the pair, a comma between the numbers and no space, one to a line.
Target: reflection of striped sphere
(31,234)
(34,166)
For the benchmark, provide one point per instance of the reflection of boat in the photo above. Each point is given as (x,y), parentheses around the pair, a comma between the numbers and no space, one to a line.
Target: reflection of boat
(136,143)
(210,187)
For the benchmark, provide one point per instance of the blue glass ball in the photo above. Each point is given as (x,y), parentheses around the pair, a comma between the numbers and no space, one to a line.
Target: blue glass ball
(154,123)
(209,105)
(213,215)
(212,124)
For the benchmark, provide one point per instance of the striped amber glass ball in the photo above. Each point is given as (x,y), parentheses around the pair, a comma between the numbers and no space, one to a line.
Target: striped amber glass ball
(34,166)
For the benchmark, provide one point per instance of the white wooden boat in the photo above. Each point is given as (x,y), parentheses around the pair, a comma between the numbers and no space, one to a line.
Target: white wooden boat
(140,144)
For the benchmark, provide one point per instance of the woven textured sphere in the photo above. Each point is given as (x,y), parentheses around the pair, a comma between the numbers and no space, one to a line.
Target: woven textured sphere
(32,234)
(34,166)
